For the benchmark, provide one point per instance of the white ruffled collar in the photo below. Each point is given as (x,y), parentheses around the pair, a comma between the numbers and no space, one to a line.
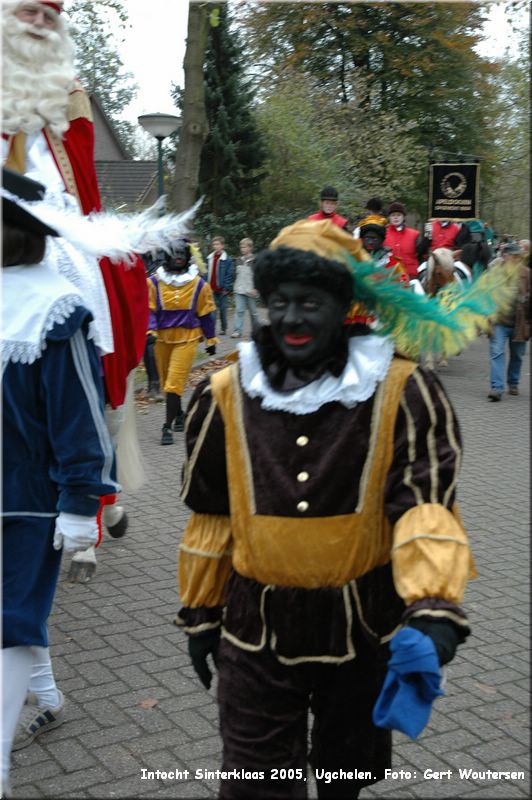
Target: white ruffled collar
(34,299)
(368,362)
(177,278)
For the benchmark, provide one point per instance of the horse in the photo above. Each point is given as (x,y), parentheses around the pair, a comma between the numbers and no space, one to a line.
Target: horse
(441,270)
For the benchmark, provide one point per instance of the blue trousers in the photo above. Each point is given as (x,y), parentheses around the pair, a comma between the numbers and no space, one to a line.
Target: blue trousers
(220,300)
(502,334)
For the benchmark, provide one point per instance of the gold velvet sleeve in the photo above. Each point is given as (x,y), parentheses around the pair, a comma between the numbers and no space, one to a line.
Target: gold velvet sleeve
(205,303)
(205,560)
(431,556)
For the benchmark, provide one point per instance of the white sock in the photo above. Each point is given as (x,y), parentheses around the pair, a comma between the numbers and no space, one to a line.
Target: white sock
(16,668)
(42,681)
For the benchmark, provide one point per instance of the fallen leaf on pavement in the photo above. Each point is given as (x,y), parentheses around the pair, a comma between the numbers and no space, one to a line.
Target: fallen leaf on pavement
(148,703)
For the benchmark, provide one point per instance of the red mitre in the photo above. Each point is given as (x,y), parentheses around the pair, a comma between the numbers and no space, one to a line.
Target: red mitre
(57,5)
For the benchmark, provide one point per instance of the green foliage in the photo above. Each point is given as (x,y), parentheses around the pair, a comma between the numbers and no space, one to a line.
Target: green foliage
(507,201)
(236,226)
(100,67)
(407,74)
(305,148)
(233,152)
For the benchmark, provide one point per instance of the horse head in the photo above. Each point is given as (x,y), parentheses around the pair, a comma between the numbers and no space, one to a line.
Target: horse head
(440,269)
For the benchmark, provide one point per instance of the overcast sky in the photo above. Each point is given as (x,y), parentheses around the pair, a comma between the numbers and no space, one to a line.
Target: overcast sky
(154,48)
(153,51)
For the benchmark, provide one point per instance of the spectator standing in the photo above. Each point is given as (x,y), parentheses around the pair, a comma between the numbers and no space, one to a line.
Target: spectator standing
(244,290)
(402,240)
(220,278)
(512,329)
(328,204)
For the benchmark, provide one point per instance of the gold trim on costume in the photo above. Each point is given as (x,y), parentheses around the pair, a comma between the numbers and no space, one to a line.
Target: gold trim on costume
(436,537)
(350,654)
(205,626)
(358,604)
(375,427)
(195,551)
(454,444)
(411,438)
(190,463)
(253,648)
(441,613)
(239,419)
(63,161)
(431,439)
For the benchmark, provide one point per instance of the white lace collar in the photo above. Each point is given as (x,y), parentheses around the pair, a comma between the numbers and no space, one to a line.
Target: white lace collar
(368,361)
(177,278)
(34,299)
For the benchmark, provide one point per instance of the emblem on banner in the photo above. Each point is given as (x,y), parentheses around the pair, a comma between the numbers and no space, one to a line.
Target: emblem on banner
(454,184)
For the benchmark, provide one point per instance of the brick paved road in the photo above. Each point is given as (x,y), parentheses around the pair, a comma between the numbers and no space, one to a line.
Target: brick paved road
(114,645)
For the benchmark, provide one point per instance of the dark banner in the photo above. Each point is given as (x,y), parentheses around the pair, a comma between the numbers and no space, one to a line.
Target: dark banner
(454,191)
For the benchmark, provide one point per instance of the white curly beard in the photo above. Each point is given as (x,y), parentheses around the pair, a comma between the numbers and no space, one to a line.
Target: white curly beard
(37,76)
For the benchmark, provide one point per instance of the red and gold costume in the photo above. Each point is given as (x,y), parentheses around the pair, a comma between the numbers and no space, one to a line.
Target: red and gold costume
(125,283)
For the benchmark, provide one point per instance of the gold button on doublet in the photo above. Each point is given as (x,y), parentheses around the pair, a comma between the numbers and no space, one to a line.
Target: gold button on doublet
(301,441)
(302,506)
(302,477)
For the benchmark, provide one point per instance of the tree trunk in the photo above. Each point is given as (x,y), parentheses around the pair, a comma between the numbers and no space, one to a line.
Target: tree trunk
(194,126)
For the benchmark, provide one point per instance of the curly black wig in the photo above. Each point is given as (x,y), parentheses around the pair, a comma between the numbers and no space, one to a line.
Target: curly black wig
(283,264)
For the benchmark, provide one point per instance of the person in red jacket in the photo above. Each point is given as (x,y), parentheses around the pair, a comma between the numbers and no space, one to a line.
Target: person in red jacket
(402,240)
(328,203)
(442,233)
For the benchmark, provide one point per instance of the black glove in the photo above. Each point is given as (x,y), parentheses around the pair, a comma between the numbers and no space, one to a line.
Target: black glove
(444,633)
(211,349)
(199,648)
(151,338)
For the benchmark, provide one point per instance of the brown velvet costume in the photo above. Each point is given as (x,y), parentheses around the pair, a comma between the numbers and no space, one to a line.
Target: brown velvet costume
(315,547)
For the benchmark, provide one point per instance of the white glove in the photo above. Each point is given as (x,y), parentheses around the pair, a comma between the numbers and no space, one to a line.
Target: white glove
(74,532)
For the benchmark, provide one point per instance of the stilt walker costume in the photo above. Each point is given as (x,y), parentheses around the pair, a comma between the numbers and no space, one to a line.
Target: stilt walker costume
(321,473)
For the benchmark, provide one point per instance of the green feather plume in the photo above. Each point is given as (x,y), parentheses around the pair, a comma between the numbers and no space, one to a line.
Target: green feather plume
(445,324)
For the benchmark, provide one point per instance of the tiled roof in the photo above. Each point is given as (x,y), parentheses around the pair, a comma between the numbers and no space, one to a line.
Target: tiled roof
(127,184)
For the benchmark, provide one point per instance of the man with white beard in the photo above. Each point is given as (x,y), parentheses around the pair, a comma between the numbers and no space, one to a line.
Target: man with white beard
(47,135)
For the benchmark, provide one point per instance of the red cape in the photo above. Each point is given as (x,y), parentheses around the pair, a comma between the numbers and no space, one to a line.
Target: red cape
(125,284)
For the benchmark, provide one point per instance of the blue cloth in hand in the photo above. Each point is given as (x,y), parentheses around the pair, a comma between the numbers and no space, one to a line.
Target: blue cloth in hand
(411,684)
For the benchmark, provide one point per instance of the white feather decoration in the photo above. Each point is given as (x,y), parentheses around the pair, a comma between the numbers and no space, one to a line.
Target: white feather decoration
(117,236)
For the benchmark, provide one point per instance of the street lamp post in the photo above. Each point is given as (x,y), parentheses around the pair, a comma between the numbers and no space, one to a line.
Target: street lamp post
(160,126)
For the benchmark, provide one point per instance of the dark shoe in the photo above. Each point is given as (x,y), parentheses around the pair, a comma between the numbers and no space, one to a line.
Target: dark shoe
(119,529)
(179,423)
(166,436)
(513,390)
(494,396)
